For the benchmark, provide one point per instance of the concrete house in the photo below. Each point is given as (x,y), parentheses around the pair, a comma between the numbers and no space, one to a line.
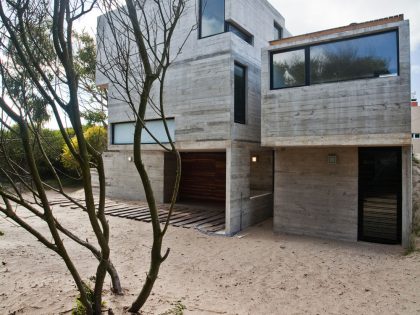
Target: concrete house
(336,111)
(312,130)
(213,99)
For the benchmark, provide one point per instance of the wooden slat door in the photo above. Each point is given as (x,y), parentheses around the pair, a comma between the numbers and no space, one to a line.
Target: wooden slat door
(380,184)
(203,176)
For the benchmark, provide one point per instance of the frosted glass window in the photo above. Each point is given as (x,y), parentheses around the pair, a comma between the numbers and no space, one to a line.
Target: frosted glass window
(123,133)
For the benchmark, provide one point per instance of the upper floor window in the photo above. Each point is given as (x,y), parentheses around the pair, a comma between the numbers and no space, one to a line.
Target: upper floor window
(212,17)
(240,94)
(358,58)
(349,59)
(240,33)
(288,69)
(278,31)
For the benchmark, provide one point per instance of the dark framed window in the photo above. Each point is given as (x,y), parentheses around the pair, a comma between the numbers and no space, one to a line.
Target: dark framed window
(362,57)
(211,17)
(240,94)
(244,35)
(358,58)
(123,133)
(278,31)
(288,69)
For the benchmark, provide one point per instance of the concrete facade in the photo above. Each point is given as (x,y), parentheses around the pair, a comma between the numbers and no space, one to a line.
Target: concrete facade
(199,95)
(415,128)
(306,124)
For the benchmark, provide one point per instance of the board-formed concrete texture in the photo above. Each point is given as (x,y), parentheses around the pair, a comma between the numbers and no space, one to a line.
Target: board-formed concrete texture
(306,124)
(199,96)
(357,112)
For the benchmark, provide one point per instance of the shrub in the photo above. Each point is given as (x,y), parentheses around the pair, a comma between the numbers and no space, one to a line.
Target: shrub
(96,136)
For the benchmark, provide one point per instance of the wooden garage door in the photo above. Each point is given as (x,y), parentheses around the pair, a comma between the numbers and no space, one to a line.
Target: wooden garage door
(380,195)
(203,176)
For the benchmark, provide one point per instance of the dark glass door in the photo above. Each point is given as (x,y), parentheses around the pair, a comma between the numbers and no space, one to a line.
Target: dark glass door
(380,195)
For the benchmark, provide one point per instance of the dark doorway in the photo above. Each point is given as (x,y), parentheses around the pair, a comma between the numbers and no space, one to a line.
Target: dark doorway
(203,177)
(380,181)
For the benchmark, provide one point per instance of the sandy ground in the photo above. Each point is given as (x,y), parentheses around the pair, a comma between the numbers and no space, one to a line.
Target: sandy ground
(259,273)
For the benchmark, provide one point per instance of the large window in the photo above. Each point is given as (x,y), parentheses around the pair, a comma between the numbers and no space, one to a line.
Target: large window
(288,69)
(123,133)
(358,58)
(212,17)
(350,59)
(240,94)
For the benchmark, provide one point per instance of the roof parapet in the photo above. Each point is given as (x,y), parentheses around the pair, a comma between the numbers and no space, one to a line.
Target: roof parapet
(350,27)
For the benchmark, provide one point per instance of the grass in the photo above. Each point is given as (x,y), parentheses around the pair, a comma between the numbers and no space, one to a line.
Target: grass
(177,309)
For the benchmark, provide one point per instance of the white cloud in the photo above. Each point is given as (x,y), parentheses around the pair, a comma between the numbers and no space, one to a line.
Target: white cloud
(304,16)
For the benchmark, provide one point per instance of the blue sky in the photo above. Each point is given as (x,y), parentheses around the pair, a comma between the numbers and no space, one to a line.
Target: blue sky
(304,16)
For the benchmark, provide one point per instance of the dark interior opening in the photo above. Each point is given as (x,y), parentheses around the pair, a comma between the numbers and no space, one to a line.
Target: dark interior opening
(380,195)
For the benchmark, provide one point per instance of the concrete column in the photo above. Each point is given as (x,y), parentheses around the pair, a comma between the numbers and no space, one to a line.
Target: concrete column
(237,187)
(407,215)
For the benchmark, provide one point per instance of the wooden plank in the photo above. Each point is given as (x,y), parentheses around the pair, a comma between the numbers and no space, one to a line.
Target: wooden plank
(197,220)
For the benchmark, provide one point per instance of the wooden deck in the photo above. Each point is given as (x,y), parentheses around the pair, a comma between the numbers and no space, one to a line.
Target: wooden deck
(186,216)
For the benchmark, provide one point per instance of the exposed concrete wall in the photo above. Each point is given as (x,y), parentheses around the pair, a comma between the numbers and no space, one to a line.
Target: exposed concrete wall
(199,95)
(313,197)
(261,178)
(415,128)
(123,180)
(243,209)
(359,112)
(407,186)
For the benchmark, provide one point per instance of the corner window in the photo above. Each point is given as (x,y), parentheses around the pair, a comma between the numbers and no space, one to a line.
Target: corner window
(278,31)
(288,69)
(123,133)
(240,33)
(212,17)
(362,57)
(240,94)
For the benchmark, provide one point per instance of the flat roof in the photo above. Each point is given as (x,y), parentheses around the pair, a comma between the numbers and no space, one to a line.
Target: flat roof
(352,26)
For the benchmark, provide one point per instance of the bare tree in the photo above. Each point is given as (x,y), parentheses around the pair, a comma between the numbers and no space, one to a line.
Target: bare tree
(135,51)
(53,78)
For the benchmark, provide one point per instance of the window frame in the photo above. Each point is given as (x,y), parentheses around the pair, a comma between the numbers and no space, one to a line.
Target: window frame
(241,30)
(200,18)
(272,67)
(134,122)
(279,29)
(245,69)
(307,49)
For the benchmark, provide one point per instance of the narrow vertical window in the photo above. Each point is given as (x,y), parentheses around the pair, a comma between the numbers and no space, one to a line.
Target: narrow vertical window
(278,31)
(240,94)
(212,17)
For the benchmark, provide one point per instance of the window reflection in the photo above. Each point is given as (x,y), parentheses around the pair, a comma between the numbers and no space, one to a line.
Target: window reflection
(212,19)
(240,94)
(364,57)
(288,69)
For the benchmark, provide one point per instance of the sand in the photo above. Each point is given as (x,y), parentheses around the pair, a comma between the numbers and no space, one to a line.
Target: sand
(256,273)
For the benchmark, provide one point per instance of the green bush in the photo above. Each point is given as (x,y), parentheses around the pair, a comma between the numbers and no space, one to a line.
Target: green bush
(96,136)
(51,140)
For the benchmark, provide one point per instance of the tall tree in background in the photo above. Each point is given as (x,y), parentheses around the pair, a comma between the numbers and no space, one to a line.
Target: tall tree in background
(95,98)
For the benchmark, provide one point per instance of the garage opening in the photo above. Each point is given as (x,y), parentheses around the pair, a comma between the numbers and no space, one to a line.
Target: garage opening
(202,194)
(380,188)
(203,177)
